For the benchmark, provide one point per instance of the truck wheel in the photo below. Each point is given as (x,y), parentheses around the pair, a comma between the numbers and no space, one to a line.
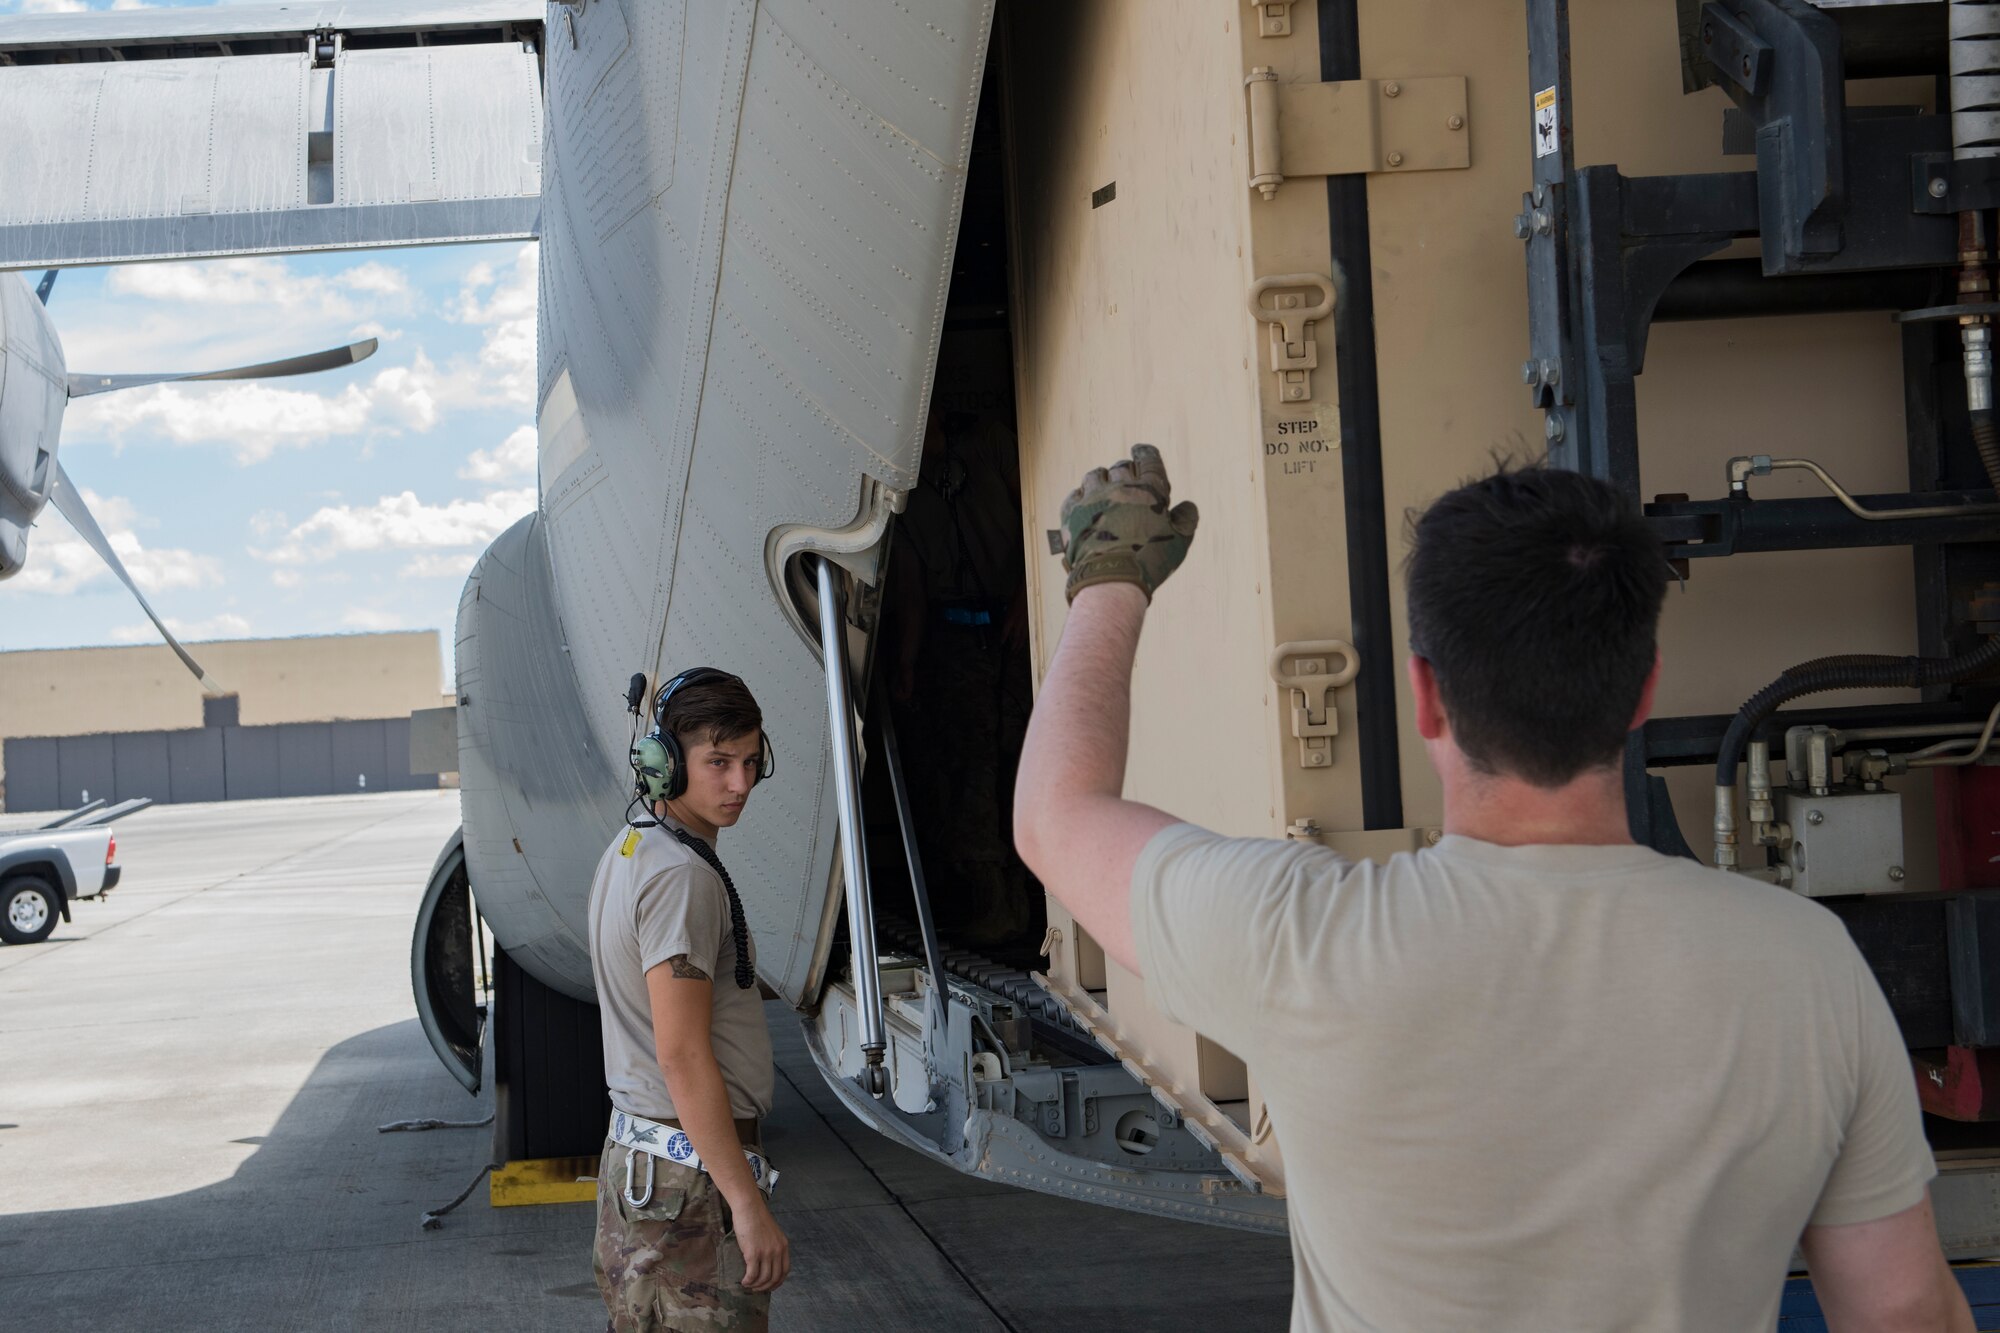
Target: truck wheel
(28,910)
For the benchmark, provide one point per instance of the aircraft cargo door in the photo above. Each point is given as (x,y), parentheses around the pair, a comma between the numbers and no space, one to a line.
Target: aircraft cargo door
(748,354)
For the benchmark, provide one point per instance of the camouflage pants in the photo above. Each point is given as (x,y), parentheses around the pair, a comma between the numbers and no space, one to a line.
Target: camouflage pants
(673,1264)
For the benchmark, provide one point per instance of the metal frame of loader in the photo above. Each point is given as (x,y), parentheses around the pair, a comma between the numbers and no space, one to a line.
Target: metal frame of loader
(1854,209)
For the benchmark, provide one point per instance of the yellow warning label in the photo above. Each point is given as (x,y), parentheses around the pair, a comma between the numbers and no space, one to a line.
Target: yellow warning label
(1547,138)
(631,842)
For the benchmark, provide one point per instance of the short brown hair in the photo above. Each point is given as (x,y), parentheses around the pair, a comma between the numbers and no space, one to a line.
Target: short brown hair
(713,710)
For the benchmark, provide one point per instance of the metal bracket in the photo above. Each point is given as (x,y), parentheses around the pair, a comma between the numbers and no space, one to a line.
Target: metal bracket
(1314,733)
(1730,44)
(1274,17)
(1294,350)
(1796,94)
(1354,126)
(1940,185)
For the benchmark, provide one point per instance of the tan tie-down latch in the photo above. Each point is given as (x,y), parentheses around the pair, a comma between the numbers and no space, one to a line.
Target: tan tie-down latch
(1296,301)
(1315,721)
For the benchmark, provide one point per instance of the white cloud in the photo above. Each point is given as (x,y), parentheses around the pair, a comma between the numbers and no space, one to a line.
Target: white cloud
(269,284)
(441,565)
(510,460)
(286,578)
(503,301)
(59,562)
(222,312)
(76,6)
(227,625)
(370,618)
(376,278)
(255,420)
(400,523)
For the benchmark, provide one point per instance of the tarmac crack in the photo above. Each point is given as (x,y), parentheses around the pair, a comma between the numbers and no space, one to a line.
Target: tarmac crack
(903,1207)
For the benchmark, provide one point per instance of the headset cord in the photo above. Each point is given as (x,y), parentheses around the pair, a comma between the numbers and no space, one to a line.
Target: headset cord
(745,977)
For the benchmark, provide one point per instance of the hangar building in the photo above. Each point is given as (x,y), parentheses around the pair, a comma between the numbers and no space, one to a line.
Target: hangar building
(308,716)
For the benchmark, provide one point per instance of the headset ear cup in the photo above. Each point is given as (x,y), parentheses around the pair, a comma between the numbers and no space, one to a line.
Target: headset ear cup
(673,768)
(654,770)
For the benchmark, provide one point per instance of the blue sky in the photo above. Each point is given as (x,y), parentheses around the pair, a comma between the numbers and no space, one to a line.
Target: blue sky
(349,501)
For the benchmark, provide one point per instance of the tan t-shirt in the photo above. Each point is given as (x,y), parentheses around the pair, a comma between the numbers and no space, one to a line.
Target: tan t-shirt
(1538,1088)
(651,899)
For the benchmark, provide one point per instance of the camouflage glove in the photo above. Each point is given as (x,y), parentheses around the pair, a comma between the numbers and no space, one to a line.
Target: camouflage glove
(1116,527)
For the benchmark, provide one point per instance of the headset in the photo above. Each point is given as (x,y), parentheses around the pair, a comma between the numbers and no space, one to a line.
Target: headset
(659,768)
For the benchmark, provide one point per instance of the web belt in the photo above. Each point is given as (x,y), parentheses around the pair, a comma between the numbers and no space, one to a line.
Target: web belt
(650,1139)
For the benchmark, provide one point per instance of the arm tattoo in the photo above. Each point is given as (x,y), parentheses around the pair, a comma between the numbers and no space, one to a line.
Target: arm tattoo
(686,971)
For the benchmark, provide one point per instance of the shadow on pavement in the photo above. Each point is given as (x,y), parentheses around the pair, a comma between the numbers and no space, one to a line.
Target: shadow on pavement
(318,1229)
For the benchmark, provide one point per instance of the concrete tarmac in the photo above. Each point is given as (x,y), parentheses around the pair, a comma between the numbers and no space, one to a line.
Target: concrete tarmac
(192,1072)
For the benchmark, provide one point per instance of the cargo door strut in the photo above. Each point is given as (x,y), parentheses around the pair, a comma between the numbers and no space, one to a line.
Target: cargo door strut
(853,840)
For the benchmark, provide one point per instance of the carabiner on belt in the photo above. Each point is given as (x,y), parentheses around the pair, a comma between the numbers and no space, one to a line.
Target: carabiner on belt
(647,1197)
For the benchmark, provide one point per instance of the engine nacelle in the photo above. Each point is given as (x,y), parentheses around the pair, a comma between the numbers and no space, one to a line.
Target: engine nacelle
(34,390)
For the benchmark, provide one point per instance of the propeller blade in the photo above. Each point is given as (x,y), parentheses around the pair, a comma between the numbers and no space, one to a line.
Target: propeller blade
(47,285)
(82,384)
(69,502)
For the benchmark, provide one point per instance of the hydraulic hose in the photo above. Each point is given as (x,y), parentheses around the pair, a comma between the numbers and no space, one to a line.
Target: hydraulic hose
(1851,672)
(1845,660)
(1986,438)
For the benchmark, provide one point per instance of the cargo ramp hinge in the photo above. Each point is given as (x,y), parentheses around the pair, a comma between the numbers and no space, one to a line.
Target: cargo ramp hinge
(1355,126)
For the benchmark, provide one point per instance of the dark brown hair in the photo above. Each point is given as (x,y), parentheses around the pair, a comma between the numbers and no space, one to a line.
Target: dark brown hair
(1535,596)
(711,711)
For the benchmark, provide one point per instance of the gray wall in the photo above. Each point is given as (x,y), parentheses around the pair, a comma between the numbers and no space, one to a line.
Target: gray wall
(213,764)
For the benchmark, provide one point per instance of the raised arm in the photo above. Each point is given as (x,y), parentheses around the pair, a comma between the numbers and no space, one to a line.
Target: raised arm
(1072,824)
(682,997)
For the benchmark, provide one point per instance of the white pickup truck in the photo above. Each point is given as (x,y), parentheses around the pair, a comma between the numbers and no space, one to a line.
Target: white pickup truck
(42,871)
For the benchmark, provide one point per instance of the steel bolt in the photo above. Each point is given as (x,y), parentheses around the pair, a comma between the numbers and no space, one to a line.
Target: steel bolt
(1454,122)
(1531,373)
(1544,224)
(1392,89)
(1940,187)
(1896,874)
(1521,228)
(1815,817)
(1552,372)
(1395,159)
(1552,429)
